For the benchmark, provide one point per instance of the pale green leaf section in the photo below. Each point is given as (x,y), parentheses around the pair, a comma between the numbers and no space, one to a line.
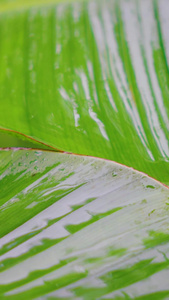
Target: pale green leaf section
(89,78)
(17,5)
(75,227)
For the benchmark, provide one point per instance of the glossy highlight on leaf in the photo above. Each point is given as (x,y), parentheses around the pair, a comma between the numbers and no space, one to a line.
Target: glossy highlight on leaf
(74,227)
(89,78)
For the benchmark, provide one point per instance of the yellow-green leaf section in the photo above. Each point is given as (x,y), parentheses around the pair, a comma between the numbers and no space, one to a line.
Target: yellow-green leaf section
(74,227)
(89,78)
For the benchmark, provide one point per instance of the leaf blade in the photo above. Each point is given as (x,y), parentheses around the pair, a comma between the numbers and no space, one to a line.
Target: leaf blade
(86,78)
(80,227)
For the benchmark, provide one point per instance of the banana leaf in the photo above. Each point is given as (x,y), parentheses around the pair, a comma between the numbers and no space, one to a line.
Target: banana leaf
(75,227)
(89,77)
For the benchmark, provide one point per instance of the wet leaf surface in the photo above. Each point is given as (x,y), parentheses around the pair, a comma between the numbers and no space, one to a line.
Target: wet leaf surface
(75,227)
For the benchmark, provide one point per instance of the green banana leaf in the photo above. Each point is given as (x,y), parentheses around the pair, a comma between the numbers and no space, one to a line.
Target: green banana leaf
(89,77)
(74,227)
